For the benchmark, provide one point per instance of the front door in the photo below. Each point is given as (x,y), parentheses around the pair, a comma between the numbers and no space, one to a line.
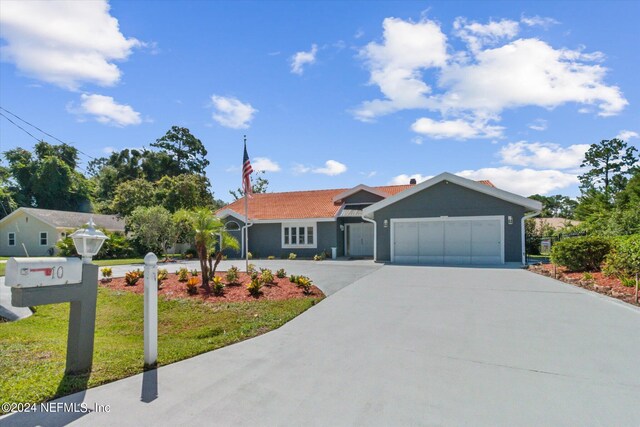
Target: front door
(360,239)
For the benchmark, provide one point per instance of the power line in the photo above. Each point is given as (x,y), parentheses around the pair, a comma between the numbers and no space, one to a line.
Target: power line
(19,127)
(36,127)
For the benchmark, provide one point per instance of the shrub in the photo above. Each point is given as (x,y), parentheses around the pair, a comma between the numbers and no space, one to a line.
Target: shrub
(305,284)
(281,273)
(194,273)
(251,269)
(624,258)
(293,279)
(254,275)
(318,257)
(140,273)
(267,276)
(629,282)
(218,286)
(581,253)
(131,278)
(255,287)
(183,275)
(190,253)
(192,286)
(587,277)
(293,256)
(232,275)
(249,255)
(271,257)
(163,274)
(107,272)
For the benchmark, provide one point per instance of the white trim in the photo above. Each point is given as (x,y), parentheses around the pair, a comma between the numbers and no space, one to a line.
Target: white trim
(27,214)
(228,212)
(231,222)
(522,235)
(299,224)
(375,238)
(448,219)
(454,179)
(9,238)
(292,220)
(40,238)
(358,188)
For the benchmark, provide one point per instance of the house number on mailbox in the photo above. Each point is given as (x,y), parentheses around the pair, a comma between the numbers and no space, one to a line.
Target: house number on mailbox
(53,272)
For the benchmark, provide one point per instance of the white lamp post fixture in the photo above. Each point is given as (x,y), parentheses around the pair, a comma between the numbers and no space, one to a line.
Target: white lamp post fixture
(88,241)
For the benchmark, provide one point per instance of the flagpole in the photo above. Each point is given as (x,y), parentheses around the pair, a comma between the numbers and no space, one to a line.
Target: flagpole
(246,222)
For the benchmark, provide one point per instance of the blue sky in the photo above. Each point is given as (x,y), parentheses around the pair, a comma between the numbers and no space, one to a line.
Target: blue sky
(332,94)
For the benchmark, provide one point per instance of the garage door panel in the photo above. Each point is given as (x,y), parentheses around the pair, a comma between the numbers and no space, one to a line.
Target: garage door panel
(449,241)
(406,242)
(457,243)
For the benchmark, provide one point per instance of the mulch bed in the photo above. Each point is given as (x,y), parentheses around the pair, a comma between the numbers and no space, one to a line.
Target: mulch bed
(280,289)
(600,283)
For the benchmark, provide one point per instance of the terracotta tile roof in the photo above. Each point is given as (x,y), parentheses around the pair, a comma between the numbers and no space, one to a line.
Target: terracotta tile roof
(486,182)
(301,204)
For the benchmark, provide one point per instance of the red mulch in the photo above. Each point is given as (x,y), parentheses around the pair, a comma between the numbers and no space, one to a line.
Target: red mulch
(600,283)
(281,289)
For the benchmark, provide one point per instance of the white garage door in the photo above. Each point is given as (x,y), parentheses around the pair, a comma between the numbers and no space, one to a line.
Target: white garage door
(460,240)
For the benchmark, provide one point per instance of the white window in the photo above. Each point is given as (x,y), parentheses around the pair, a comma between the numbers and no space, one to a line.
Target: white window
(12,239)
(44,238)
(299,235)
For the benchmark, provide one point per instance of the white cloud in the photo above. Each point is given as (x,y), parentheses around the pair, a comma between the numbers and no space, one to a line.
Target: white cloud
(477,35)
(300,169)
(331,168)
(455,129)
(538,124)
(404,179)
(264,164)
(397,63)
(300,59)
(369,174)
(540,21)
(477,84)
(65,43)
(105,110)
(231,113)
(543,155)
(523,181)
(626,135)
(108,150)
(418,140)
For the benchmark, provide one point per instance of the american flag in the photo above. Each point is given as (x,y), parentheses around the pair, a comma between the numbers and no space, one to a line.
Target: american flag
(246,171)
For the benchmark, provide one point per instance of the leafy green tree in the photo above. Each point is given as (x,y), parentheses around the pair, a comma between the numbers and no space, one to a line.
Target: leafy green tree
(7,196)
(260,185)
(49,180)
(557,206)
(132,194)
(186,191)
(186,149)
(152,228)
(608,162)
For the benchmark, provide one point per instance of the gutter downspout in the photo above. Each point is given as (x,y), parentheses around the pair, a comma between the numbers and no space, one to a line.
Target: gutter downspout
(375,237)
(531,215)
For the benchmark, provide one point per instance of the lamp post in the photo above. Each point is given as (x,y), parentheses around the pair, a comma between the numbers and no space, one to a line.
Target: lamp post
(88,241)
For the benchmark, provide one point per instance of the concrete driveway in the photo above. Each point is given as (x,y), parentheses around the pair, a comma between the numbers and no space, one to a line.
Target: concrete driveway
(405,346)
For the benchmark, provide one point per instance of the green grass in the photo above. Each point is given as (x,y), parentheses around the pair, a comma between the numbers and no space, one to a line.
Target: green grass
(123,261)
(33,350)
(3,267)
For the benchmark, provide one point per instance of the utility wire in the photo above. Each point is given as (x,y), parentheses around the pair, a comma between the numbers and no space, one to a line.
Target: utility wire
(48,134)
(19,127)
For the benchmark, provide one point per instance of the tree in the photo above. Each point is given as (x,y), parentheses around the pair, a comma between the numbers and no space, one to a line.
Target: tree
(609,161)
(186,149)
(152,228)
(206,230)
(7,196)
(259,186)
(49,180)
(132,194)
(557,206)
(186,191)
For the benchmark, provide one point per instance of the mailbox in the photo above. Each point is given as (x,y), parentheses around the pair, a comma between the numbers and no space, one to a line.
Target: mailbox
(45,271)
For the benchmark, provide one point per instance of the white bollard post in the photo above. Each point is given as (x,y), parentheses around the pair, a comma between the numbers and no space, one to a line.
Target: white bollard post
(150,309)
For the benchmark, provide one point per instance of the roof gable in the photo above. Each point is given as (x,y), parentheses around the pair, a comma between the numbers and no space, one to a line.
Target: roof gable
(481,187)
(357,189)
(65,219)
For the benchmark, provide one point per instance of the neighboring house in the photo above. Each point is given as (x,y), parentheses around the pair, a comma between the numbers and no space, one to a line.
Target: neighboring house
(555,223)
(444,220)
(35,232)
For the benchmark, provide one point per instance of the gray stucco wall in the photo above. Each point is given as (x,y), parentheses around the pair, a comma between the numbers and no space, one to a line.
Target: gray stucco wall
(451,200)
(266,240)
(27,229)
(363,197)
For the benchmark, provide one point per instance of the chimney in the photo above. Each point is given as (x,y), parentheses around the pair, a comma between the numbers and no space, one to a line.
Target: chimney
(412,181)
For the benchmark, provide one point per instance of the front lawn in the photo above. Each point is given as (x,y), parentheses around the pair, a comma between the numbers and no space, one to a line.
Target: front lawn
(33,350)
(112,262)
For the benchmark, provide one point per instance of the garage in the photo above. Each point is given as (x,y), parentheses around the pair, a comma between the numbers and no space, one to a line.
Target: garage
(456,240)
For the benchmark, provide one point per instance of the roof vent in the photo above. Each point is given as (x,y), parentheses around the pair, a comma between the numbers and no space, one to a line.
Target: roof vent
(412,181)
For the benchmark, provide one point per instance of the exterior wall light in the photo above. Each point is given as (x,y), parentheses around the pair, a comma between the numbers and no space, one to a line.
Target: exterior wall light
(510,220)
(385,223)
(88,241)
(341,227)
